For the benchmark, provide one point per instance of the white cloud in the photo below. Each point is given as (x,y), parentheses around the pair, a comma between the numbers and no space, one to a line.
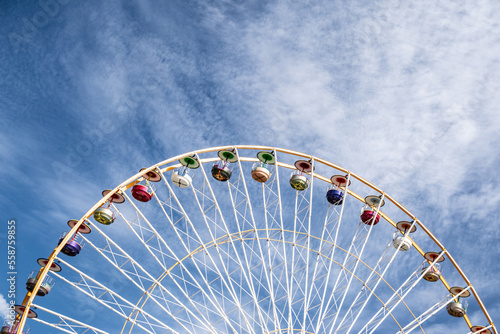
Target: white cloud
(4,308)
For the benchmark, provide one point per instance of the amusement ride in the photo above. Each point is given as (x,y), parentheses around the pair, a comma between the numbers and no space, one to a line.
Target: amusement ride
(248,239)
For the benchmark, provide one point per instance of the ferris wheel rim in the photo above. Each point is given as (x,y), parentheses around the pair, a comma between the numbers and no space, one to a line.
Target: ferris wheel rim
(114,195)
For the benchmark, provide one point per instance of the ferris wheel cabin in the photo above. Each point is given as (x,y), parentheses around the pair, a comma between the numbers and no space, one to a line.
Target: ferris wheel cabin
(76,243)
(19,309)
(45,287)
(183,177)
(142,191)
(334,195)
(222,170)
(369,214)
(105,215)
(7,329)
(432,272)
(298,179)
(260,169)
(260,172)
(458,307)
(402,241)
(73,246)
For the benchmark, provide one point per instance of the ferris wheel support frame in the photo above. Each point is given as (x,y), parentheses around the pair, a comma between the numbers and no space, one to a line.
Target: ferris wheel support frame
(266,208)
(28,300)
(187,248)
(281,224)
(337,228)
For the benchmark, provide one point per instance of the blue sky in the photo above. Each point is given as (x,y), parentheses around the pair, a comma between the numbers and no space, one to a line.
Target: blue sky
(403,94)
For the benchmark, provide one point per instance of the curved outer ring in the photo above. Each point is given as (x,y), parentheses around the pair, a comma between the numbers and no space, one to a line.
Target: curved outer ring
(30,296)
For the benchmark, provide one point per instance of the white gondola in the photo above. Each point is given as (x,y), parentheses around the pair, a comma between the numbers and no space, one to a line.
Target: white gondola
(458,307)
(402,241)
(183,177)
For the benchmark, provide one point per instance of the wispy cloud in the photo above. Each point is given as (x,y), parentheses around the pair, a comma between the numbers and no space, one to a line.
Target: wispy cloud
(4,308)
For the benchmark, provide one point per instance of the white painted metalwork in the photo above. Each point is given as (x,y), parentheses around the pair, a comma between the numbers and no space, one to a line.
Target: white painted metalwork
(329,232)
(242,256)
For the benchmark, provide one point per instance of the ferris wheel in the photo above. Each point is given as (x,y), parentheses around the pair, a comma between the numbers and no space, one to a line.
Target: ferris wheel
(248,239)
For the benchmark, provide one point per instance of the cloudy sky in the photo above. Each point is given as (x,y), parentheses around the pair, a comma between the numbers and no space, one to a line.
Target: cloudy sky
(402,93)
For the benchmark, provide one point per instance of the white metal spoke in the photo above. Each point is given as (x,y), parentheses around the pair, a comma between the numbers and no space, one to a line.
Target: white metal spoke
(277,252)
(298,263)
(308,243)
(277,314)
